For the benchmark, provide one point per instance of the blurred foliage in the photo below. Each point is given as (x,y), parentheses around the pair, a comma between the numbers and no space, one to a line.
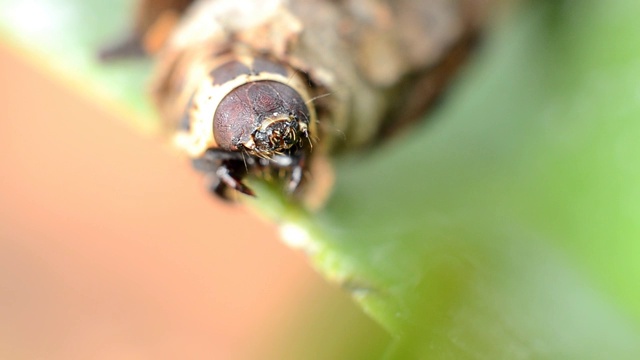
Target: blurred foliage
(504,227)
(66,35)
(507,225)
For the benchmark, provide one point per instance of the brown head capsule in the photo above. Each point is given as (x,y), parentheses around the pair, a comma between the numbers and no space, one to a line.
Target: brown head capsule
(248,114)
(263,118)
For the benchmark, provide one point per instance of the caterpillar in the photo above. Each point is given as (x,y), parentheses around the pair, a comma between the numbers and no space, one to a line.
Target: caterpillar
(273,88)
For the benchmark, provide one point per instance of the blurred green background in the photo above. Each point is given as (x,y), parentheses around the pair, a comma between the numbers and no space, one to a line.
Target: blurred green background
(506,226)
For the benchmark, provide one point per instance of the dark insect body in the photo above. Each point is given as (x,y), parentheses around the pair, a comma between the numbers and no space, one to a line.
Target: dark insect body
(243,84)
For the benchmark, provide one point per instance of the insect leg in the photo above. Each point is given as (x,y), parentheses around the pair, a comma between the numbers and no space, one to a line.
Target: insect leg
(296,174)
(216,186)
(223,169)
(226,176)
(295,164)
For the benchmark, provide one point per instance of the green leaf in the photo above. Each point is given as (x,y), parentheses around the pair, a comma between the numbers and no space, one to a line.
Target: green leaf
(507,225)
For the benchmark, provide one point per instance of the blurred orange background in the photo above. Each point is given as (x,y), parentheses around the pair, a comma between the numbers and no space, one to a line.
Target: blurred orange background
(110,248)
